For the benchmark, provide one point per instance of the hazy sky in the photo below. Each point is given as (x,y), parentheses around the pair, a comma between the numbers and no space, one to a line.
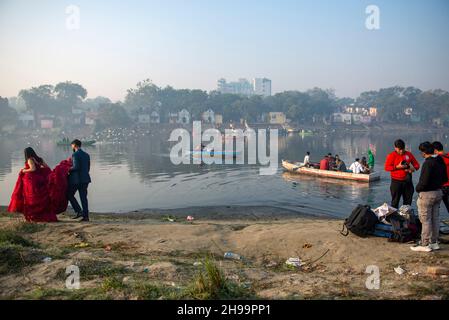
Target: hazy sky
(192,43)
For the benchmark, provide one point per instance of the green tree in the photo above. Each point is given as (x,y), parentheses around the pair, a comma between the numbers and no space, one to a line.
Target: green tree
(40,99)
(69,95)
(8,116)
(112,115)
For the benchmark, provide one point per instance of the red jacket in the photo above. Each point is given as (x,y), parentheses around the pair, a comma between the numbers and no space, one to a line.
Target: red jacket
(394,159)
(446,161)
(324,164)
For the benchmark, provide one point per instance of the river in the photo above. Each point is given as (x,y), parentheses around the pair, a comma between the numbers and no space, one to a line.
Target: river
(135,176)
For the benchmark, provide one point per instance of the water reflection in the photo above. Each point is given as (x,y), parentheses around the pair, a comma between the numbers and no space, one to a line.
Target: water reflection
(141,175)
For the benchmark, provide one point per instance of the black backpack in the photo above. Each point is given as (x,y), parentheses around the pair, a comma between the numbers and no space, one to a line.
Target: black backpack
(361,222)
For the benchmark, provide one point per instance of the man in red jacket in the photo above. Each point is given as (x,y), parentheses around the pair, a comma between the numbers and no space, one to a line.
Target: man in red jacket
(439,150)
(401,164)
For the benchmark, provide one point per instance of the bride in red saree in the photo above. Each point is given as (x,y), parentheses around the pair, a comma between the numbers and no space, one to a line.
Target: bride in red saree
(40,193)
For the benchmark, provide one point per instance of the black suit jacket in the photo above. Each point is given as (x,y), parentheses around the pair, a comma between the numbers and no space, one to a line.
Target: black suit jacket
(79,173)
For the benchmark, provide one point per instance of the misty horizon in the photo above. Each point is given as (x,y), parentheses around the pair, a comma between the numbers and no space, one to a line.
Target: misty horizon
(299,45)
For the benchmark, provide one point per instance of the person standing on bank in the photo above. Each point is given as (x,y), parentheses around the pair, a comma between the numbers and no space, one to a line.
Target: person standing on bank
(401,164)
(439,150)
(79,180)
(433,177)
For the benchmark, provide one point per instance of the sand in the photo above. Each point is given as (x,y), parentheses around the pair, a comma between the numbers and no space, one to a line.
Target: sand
(164,252)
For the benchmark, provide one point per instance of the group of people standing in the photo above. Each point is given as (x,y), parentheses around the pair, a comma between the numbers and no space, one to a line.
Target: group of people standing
(433,186)
(40,193)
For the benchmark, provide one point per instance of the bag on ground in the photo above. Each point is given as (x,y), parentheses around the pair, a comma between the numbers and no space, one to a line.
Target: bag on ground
(361,222)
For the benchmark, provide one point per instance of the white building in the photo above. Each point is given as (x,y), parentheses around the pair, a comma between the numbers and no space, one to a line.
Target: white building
(208,116)
(183,116)
(155,117)
(262,86)
(26,119)
(259,86)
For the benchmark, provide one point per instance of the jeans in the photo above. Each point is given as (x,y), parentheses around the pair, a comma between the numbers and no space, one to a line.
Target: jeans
(429,215)
(82,191)
(401,189)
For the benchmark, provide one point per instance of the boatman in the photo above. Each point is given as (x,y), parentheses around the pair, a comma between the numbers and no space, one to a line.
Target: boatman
(306,162)
(401,164)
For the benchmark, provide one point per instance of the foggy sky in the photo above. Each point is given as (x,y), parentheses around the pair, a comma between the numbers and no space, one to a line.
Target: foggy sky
(192,43)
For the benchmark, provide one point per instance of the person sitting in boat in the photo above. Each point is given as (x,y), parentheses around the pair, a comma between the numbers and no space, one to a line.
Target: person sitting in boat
(306,162)
(324,163)
(365,166)
(340,165)
(332,161)
(356,167)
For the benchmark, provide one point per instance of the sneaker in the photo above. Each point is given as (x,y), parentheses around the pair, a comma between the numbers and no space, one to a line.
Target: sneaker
(420,248)
(434,246)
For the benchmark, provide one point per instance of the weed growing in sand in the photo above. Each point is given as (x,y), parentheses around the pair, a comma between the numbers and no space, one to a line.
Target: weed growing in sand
(210,283)
(65,294)
(29,227)
(16,252)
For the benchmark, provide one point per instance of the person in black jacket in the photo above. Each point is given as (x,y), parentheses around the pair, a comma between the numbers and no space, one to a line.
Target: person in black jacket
(433,176)
(79,180)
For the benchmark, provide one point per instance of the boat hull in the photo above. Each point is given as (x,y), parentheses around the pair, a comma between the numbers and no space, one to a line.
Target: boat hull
(295,168)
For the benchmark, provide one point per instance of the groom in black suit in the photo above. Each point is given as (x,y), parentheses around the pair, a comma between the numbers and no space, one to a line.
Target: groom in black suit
(79,180)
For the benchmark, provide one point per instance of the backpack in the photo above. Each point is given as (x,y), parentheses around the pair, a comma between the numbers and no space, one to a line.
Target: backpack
(361,222)
(399,229)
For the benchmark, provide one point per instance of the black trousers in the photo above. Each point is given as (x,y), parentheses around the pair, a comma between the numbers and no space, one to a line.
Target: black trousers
(82,191)
(446,197)
(401,189)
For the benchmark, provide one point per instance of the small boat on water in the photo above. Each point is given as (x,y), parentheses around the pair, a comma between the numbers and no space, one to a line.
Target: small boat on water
(66,143)
(296,167)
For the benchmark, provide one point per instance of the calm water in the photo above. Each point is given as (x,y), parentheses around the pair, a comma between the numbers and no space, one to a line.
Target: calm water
(137,176)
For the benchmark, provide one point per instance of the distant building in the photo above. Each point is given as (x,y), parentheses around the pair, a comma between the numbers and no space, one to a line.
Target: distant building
(262,86)
(91,118)
(173,118)
(408,111)
(339,117)
(78,117)
(27,120)
(208,116)
(277,118)
(155,117)
(183,116)
(259,86)
(218,119)
(47,123)
(437,122)
(373,112)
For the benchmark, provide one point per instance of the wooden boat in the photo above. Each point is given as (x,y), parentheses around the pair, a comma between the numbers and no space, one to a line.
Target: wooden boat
(297,168)
(66,143)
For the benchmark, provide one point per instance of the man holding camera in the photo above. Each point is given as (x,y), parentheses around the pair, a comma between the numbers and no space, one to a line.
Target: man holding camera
(401,164)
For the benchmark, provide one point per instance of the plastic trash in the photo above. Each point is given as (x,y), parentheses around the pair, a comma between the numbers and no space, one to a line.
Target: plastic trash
(399,270)
(82,245)
(232,256)
(47,260)
(190,218)
(294,262)
(198,263)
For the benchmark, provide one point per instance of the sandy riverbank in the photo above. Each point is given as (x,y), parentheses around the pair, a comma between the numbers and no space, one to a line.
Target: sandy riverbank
(141,255)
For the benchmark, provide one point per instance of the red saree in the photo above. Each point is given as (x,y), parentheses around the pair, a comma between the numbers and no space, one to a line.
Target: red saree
(41,195)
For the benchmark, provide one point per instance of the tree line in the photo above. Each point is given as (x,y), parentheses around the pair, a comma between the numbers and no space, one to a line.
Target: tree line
(301,107)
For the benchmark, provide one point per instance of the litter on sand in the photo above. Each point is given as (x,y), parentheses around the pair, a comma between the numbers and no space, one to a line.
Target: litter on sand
(190,218)
(81,245)
(399,270)
(294,262)
(232,256)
